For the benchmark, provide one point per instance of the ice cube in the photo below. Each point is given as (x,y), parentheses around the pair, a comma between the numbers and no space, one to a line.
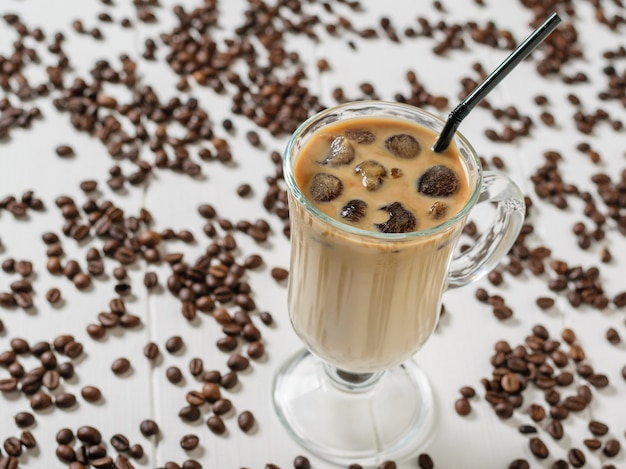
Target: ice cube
(401,220)
(438,181)
(341,153)
(362,136)
(325,187)
(354,210)
(403,146)
(373,174)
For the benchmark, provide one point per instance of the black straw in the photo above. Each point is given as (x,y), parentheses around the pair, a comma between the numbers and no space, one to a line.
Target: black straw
(494,78)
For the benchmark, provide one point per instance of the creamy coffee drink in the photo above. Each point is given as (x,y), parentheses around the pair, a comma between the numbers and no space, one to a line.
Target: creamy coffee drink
(365,302)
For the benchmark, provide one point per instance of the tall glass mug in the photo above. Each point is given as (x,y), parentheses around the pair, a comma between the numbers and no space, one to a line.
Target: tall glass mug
(364,302)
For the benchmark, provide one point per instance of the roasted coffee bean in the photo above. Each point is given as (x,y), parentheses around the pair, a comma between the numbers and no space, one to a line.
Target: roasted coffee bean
(593,444)
(28,440)
(237,362)
(246,421)
(174,375)
(96,331)
(120,442)
(216,425)
(174,344)
(526,429)
(65,400)
(613,336)
(196,366)
(598,380)
(91,394)
(65,453)
(189,413)
(387,465)
(24,419)
(13,447)
(211,391)
(189,442)
(538,448)
(555,429)
(598,428)
(229,380)
(89,435)
(64,436)
(222,406)
(105,462)
(66,370)
(576,457)
(151,351)
(53,296)
(120,366)
(40,400)
(279,274)
(519,464)
(611,448)
(148,428)
(136,451)
(424,461)
(462,406)
(191,464)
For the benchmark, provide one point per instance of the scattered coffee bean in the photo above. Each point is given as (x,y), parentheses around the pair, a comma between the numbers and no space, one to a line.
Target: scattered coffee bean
(216,425)
(24,419)
(174,375)
(174,344)
(245,420)
(189,442)
(91,394)
(538,448)
(148,428)
(120,366)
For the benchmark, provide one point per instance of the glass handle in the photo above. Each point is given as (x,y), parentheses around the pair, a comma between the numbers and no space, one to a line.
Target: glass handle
(491,247)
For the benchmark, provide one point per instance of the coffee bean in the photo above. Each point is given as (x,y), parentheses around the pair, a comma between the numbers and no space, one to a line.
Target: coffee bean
(96,331)
(28,440)
(256,350)
(91,394)
(174,375)
(24,419)
(189,413)
(105,462)
(122,462)
(151,351)
(519,464)
(211,392)
(301,462)
(598,428)
(148,428)
(245,420)
(555,429)
(40,400)
(174,344)
(611,448)
(120,442)
(64,436)
(222,406)
(89,435)
(65,400)
(387,465)
(598,380)
(191,464)
(576,457)
(120,366)
(53,296)
(613,336)
(237,362)
(189,442)
(526,429)
(279,274)
(592,444)
(66,453)
(538,448)
(136,451)
(424,461)
(462,406)
(195,398)
(13,447)
(216,425)
(150,280)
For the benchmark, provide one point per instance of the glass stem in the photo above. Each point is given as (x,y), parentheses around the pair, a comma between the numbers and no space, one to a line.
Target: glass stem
(352,382)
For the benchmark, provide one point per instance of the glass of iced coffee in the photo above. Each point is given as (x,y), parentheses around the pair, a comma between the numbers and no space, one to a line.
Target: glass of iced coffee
(375,219)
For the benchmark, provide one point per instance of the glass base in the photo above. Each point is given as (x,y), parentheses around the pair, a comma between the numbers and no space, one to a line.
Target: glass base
(388,420)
